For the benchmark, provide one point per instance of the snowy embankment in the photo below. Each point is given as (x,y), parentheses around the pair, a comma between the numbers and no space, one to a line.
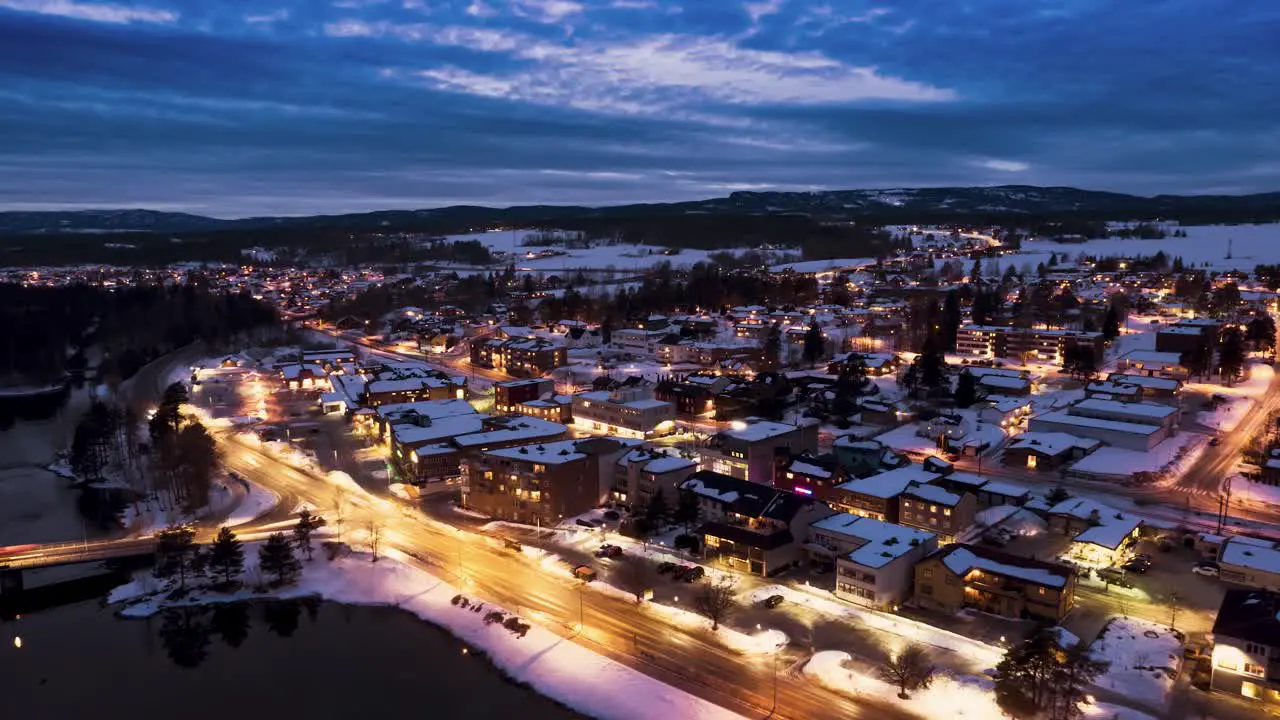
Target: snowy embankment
(1170,458)
(238,501)
(1144,659)
(585,681)
(1244,490)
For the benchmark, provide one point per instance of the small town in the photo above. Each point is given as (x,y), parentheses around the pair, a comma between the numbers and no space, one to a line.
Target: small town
(948,455)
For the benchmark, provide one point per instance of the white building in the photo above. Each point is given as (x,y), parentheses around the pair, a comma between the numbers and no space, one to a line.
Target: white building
(875,560)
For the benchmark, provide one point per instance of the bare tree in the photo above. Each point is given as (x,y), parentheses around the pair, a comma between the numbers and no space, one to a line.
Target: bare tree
(715,599)
(635,575)
(910,669)
(1175,605)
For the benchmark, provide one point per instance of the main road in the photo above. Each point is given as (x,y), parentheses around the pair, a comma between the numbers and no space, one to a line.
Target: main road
(690,659)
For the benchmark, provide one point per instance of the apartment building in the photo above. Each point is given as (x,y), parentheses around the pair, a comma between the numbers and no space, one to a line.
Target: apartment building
(874,560)
(936,510)
(749,527)
(755,450)
(877,496)
(522,357)
(973,576)
(541,483)
(644,472)
(508,395)
(627,411)
(1246,645)
(1050,346)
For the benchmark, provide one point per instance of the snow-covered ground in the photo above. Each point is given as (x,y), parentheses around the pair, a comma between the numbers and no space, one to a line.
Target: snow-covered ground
(562,670)
(1144,659)
(902,630)
(241,505)
(258,501)
(1250,245)
(966,697)
(817,266)
(1227,415)
(1255,386)
(1244,490)
(1172,456)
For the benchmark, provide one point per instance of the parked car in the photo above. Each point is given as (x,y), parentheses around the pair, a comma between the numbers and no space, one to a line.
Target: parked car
(773,601)
(585,573)
(608,551)
(512,544)
(1137,565)
(666,567)
(693,574)
(1208,569)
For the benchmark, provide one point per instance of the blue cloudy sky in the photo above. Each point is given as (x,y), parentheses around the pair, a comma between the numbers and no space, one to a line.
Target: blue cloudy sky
(237,107)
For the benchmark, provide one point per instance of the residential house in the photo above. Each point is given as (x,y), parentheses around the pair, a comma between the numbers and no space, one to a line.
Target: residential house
(750,527)
(1246,645)
(1151,363)
(1100,534)
(1250,562)
(877,496)
(939,511)
(972,576)
(1046,451)
(644,472)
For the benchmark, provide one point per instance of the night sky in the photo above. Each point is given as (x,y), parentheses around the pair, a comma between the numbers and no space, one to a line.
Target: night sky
(247,107)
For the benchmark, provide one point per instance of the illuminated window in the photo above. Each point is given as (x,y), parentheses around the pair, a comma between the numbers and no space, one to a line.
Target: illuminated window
(712,541)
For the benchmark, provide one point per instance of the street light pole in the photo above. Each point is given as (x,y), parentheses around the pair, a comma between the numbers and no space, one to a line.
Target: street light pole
(774,707)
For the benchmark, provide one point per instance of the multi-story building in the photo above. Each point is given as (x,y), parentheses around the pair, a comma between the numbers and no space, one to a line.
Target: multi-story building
(643,473)
(874,560)
(1050,346)
(627,411)
(410,383)
(1246,645)
(749,527)
(941,512)
(877,496)
(522,357)
(972,576)
(692,395)
(508,395)
(758,448)
(1250,562)
(541,483)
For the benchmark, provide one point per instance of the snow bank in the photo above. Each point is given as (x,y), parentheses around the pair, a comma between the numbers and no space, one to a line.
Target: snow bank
(1245,490)
(765,641)
(257,502)
(1142,667)
(1227,415)
(964,697)
(587,682)
(1255,386)
(982,655)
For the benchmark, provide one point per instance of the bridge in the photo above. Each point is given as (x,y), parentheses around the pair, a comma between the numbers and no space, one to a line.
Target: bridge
(17,558)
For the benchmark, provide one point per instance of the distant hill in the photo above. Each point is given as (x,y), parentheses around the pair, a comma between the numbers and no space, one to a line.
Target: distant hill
(885,206)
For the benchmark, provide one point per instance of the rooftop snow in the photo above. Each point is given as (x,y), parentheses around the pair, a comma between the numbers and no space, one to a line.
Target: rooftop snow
(961,560)
(890,483)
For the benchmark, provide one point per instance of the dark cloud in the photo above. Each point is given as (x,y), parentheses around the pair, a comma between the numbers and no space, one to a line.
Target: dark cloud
(294,107)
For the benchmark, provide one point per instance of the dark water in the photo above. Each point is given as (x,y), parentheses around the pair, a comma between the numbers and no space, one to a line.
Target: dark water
(296,659)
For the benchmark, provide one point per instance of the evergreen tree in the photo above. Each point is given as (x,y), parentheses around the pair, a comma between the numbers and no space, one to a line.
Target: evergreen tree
(198,459)
(1261,332)
(1197,359)
(176,553)
(1024,678)
(1231,354)
(975,273)
(688,510)
(772,345)
(950,321)
(276,557)
(813,343)
(1111,324)
(606,331)
(966,389)
(307,524)
(226,555)
(1076,671)
(657,512)
(931,363)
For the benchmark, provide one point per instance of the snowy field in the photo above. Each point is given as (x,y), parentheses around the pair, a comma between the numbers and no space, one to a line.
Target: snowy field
(569,673)
(621,256)
(1255,386)
(816,266)
(1144,658)
(1205,244)
(1244,490)
(1227,415)
(965,697)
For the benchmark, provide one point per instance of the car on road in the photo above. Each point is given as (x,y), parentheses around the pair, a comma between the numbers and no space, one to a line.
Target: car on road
(1207,568)
(693,574)
(1137,565)
(585,573)
(1215,441)
(608,551)
(772,601)
(666,567)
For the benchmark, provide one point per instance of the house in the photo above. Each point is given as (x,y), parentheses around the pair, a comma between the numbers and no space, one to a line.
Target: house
(1250,562)
(756,448)
(874,560)
(810,475)
(973,576)
(1004,410)
(859,458)
(1246,645)
(1151,363)
(872,364)
(1157,389)
(941,512)
(629,411)
(541,483)
(643,473)
(1100,534)
(1005,385)
(1166,416)
(556,408)
(877,496)
(1047,451)
(749,527)
(1107,390)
